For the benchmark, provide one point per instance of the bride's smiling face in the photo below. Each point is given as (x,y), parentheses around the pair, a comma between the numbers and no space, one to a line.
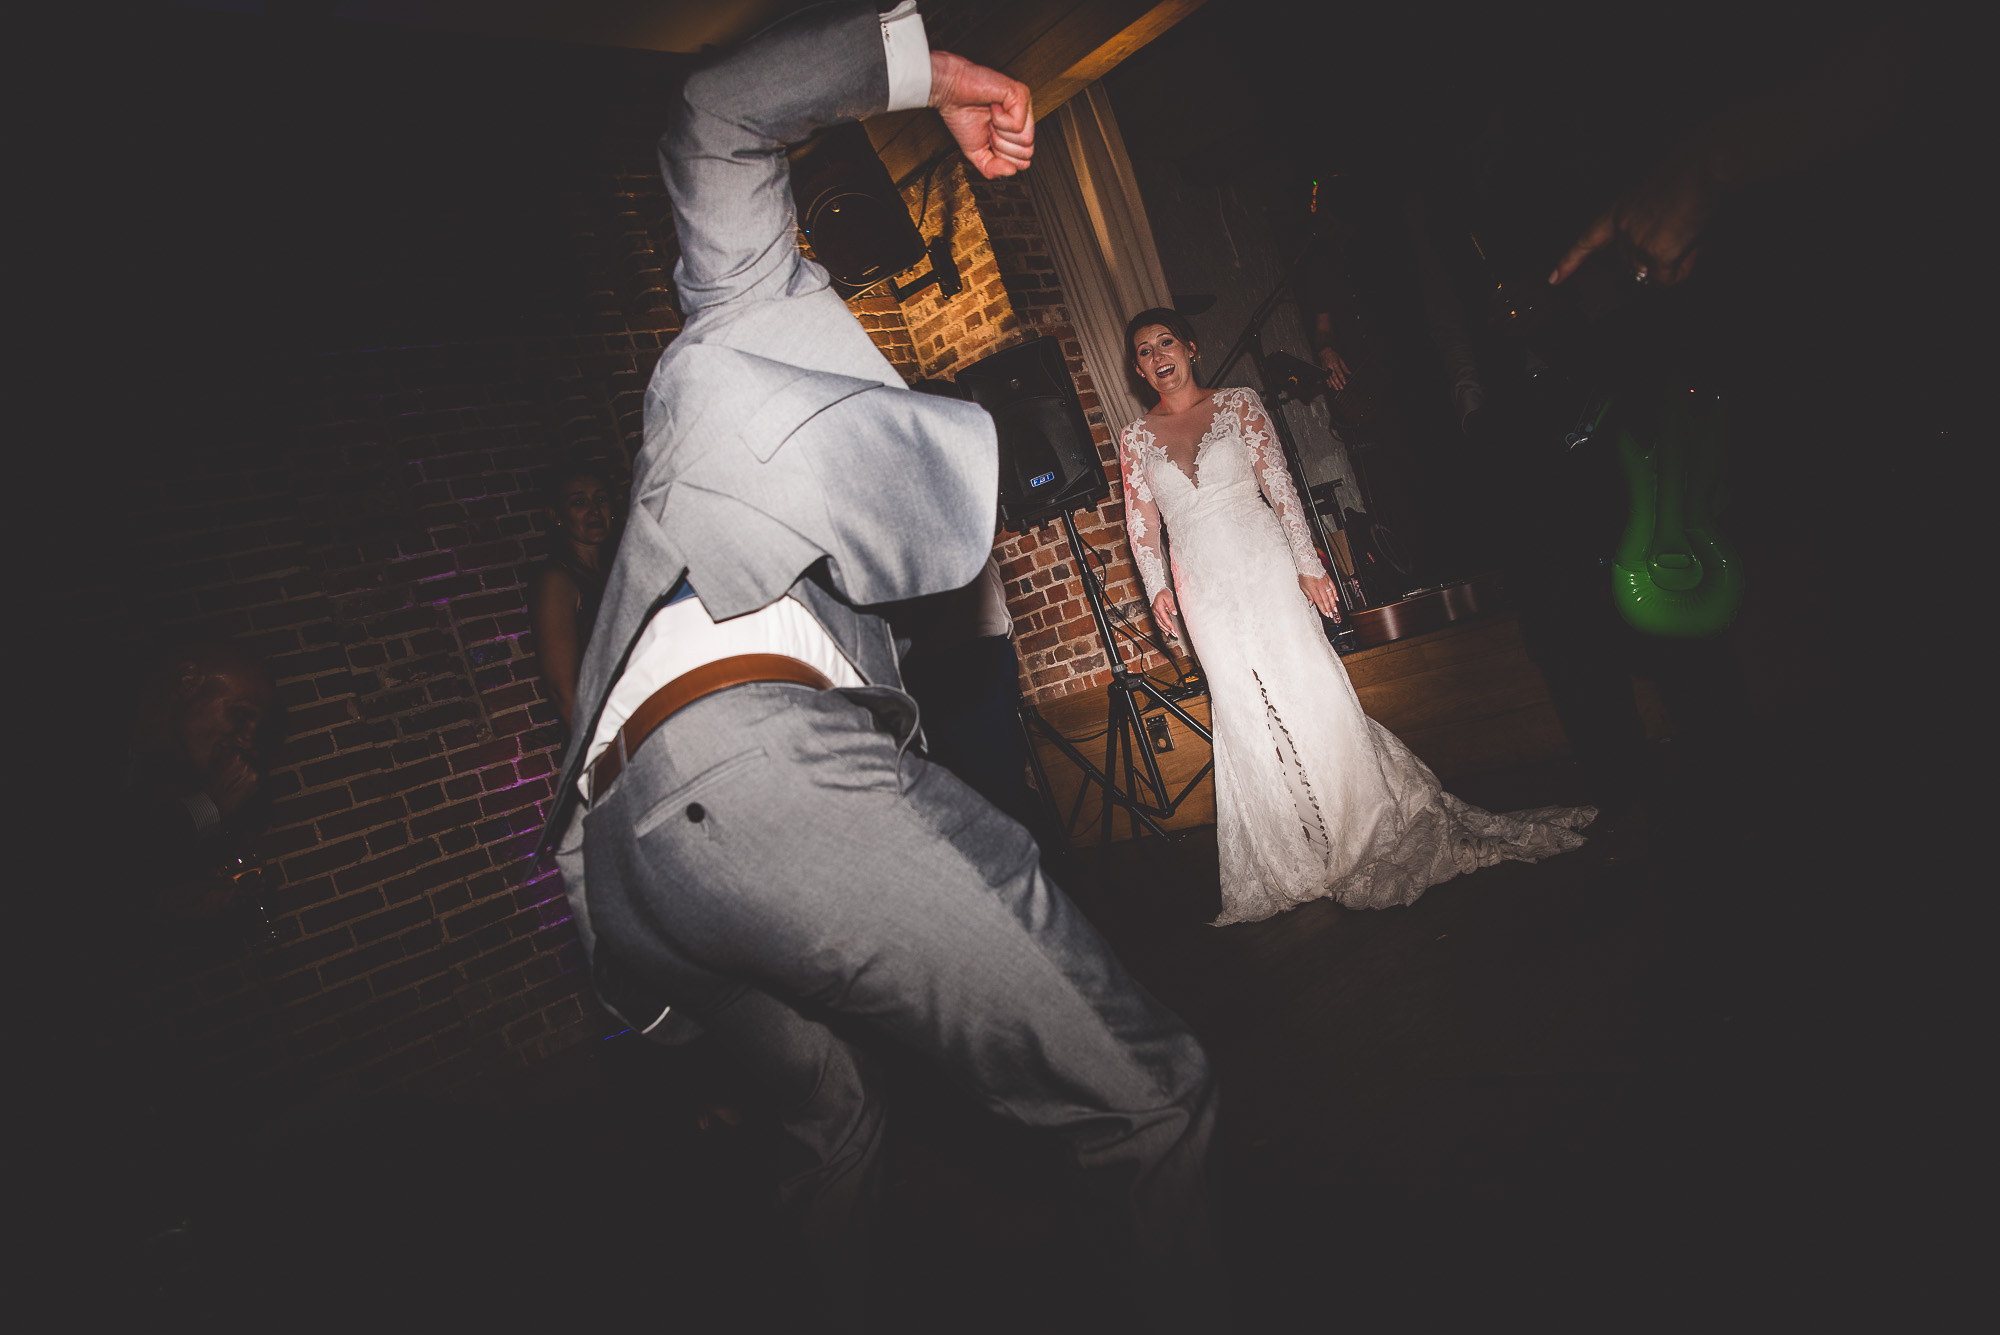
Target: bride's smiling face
(1162,360)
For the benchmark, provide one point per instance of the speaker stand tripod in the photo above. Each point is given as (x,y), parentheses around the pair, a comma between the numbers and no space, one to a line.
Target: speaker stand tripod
(1125,741)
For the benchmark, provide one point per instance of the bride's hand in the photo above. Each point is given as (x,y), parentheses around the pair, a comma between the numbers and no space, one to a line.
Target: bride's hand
(1163,613)
(1320,592)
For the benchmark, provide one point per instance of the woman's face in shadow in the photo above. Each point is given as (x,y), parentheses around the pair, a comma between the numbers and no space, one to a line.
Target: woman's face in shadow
(585,509)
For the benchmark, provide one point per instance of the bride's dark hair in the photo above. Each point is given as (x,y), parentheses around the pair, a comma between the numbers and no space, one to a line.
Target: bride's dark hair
(1177,325)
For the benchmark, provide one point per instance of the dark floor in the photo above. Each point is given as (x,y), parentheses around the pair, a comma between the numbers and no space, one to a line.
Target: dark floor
(1669,1082)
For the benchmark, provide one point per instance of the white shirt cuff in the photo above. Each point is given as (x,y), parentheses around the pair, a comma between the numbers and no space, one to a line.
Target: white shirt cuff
(908,50)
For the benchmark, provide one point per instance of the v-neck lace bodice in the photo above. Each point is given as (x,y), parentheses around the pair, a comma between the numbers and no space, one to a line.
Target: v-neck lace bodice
(1189,469)
(1242,450)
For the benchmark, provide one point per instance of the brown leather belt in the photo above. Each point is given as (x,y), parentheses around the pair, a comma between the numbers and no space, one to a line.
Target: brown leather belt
(684,690)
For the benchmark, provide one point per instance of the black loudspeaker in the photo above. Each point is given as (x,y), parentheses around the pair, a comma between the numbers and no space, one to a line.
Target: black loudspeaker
(854,219)
(1048,463)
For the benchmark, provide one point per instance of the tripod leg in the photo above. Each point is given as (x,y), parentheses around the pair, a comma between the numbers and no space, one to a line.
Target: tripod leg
(1044,795)
(1112,736)
(1135,737)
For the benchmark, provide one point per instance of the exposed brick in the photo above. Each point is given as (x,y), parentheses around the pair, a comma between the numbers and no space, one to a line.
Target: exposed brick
(341,910)
(520,795)
(517,951)
(478,757)
(325,859)
(391,922)
(479,915)
(443,818)
(404,779)
(405,972)
(361,818)
(436,874)
(345,766)
(421,938)
(388,865)
(357,962)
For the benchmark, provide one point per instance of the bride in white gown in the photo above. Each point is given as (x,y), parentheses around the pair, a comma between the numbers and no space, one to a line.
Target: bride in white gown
(1312,797)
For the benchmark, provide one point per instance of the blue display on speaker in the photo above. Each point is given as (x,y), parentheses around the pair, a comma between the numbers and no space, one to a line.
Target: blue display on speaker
(1048,462)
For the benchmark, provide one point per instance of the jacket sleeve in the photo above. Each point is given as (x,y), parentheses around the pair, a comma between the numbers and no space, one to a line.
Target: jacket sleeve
(724,157)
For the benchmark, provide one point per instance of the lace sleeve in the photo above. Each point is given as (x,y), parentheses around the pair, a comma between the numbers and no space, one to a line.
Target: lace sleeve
(1268,461)
(1142,516)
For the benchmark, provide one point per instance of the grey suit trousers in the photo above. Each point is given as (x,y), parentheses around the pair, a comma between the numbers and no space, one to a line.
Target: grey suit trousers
(775,858)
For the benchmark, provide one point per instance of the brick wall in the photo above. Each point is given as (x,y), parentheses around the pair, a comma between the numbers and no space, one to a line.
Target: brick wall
(353,491)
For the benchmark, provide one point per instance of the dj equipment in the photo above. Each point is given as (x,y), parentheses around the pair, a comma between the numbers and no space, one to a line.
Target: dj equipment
(855,220)
(1048,462)
(1425,610)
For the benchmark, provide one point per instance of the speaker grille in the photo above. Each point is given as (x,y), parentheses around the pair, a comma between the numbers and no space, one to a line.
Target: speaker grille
(1048,463)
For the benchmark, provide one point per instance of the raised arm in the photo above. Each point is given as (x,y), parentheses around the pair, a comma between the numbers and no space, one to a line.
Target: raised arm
(1268,462)
(1850,98)
(724,159)
(724,156)
(1142,528)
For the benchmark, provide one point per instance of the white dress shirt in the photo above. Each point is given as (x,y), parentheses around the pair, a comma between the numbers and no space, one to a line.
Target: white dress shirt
(681,637)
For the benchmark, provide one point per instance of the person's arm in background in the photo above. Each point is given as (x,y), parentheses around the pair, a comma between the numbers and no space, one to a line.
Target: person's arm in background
(1329,356)
(1846,100)
(552,604)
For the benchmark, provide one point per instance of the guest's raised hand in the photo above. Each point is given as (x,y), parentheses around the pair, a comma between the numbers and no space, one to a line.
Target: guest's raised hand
(987,113)
(1654,225)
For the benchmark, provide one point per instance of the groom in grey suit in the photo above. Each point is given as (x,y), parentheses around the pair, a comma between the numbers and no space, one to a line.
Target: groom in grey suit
(749,836)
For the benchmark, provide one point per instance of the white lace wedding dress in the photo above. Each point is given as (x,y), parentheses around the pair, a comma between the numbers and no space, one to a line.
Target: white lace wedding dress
(1312,797)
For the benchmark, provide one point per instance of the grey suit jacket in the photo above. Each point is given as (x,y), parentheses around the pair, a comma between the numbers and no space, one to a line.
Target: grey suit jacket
(782,452)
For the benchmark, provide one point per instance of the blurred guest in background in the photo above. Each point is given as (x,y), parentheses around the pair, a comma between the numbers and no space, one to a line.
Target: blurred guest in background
(565,592)
(194,769)
(962,669)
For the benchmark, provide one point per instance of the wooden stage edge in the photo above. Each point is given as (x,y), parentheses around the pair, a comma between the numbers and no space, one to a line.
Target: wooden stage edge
(1464,697)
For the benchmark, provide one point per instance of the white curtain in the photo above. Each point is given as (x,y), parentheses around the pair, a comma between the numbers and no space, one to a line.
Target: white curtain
(1090,210)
